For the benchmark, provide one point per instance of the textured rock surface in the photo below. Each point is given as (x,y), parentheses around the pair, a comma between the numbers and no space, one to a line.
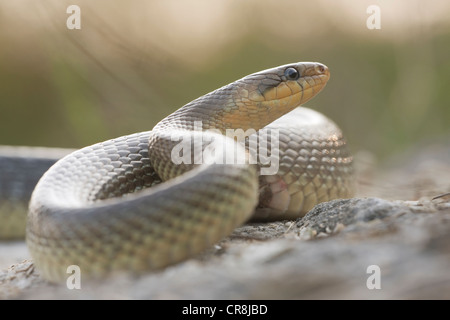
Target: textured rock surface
(323,255)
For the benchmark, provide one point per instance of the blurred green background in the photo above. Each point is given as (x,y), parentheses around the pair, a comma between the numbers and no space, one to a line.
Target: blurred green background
(134,62)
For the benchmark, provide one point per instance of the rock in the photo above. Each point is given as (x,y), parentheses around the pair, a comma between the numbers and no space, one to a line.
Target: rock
(328,254)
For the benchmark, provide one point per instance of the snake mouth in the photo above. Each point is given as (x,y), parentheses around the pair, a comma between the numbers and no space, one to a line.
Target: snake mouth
(291,94)
(299,91)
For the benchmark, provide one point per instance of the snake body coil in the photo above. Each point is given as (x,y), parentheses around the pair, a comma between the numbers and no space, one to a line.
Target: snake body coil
(94,207)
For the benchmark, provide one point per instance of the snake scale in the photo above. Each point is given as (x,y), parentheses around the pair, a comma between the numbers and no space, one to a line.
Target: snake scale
(125,204)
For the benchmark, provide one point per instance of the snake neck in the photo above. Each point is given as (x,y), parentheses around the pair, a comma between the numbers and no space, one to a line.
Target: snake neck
(226,108)
(208,110)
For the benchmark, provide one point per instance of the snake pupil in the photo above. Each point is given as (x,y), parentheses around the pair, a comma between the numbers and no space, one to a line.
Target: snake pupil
(291,73)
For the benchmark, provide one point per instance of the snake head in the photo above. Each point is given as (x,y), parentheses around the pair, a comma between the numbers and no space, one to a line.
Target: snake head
(291,84)
(266,95)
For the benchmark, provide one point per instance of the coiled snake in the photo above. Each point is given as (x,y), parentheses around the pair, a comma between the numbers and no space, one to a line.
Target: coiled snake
(94,207)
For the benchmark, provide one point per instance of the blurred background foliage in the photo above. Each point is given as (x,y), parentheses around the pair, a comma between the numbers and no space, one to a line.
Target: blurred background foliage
(134,62)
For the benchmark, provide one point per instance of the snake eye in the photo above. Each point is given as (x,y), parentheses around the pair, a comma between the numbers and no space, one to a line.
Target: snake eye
(291,73)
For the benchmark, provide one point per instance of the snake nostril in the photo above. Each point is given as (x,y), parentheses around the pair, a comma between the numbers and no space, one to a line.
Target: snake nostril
(320,68)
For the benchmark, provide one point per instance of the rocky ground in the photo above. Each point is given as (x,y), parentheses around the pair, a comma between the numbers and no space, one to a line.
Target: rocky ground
(398,228)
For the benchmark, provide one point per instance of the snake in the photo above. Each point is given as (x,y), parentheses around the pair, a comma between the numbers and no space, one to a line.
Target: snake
(148,200)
